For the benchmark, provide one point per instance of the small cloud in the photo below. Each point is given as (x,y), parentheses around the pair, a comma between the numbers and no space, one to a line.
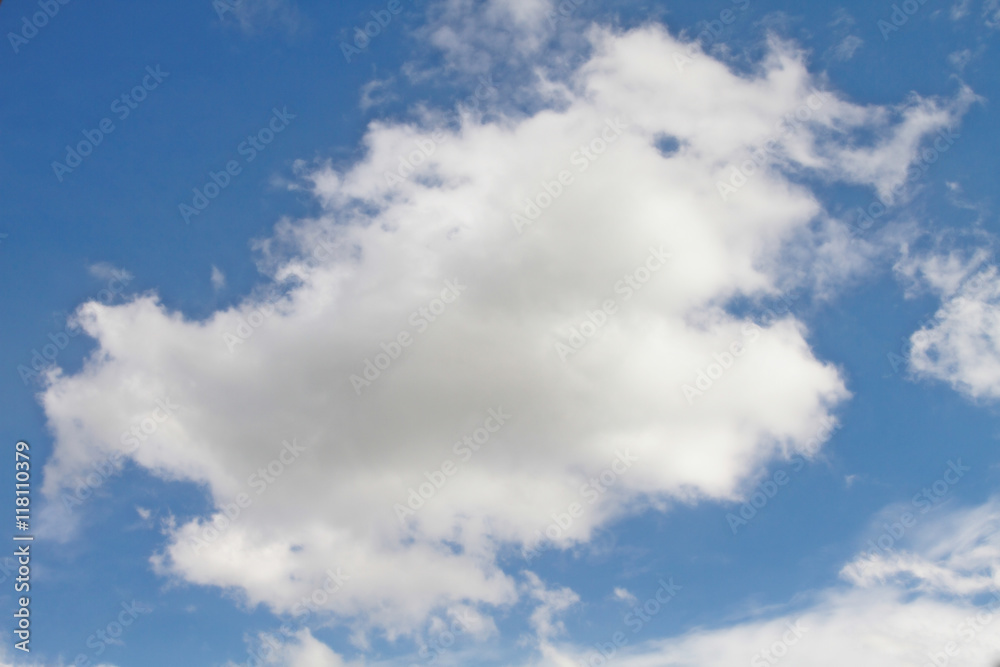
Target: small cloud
(623,595)
(375,93)
(144,513)
(256,16)
(847,48)
(218,278)
(842,24)
(991,13)
(960,9)
(841,17)
(850,479)
(107,271)
(959,59)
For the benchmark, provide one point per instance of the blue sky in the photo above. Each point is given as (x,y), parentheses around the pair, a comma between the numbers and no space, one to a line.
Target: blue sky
(874,378)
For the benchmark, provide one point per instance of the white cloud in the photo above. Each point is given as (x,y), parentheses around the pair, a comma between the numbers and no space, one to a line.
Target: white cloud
(623,594)
(991,13)
(847,47)
(218,278)
(960,9)
(356,276)
(255,16)
(961,344)
(376,93)
(107,271)
(929,614)
(299,649)
(477,36)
